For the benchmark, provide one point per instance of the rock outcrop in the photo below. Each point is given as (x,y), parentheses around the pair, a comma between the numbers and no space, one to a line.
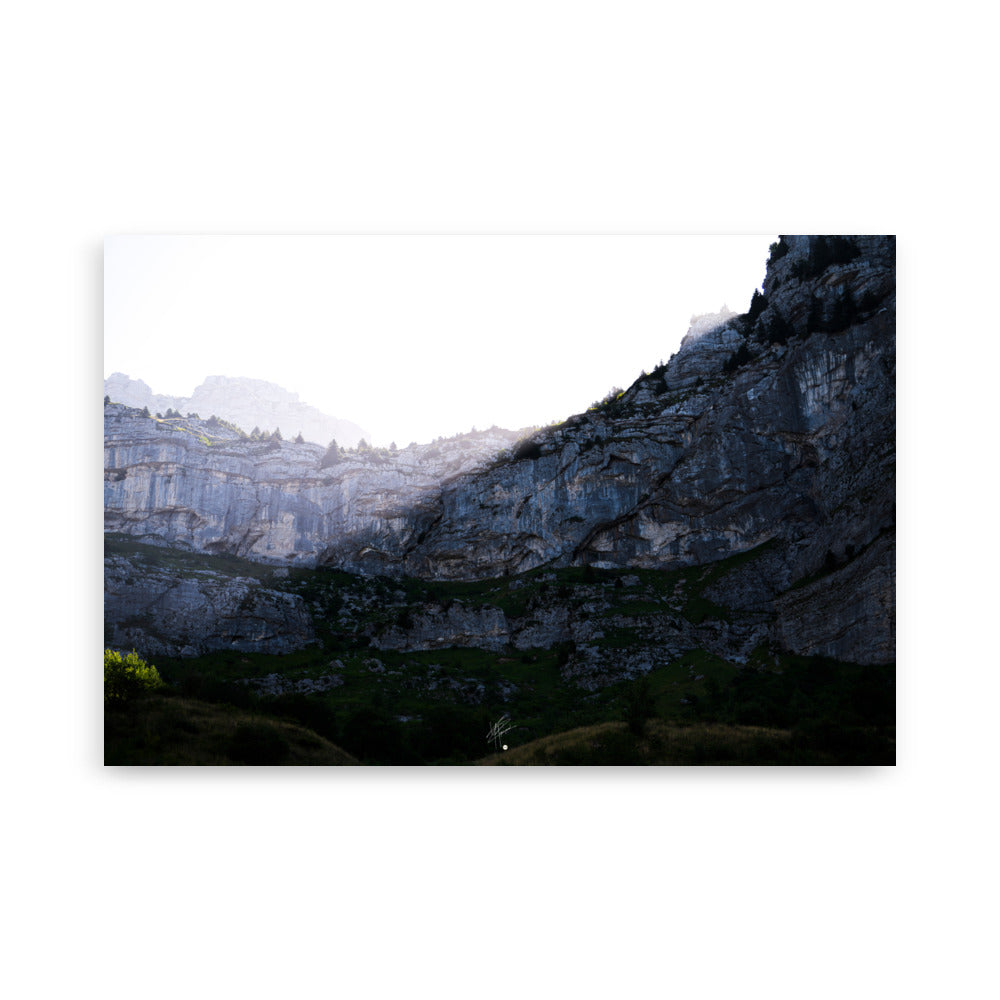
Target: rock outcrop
(209,488)
(776,426)
(165,611)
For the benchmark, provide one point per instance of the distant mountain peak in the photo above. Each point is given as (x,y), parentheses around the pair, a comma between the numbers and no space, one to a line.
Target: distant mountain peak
(246,402)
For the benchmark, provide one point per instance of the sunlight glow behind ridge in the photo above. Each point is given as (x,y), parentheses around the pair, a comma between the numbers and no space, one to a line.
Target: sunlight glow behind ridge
(415,337)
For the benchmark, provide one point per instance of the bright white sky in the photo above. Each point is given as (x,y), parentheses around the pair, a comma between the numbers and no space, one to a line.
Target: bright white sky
(415,337)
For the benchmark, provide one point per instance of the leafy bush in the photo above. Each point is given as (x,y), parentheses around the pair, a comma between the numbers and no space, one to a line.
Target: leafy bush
(126,677)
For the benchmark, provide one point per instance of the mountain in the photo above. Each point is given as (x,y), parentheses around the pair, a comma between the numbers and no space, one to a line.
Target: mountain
(246,402)
(756,469)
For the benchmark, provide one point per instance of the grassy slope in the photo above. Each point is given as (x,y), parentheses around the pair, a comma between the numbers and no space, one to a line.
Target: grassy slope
(662,743)
(166,729)
(665,743)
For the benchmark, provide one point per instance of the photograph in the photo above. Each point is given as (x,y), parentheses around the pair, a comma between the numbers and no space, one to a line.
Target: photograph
(495,500)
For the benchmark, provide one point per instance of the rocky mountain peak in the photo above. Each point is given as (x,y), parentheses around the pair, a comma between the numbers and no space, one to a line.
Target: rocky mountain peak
(245,402)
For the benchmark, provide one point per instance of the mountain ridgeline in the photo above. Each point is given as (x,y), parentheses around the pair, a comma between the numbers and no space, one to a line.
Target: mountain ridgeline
(754,473)
(245,402)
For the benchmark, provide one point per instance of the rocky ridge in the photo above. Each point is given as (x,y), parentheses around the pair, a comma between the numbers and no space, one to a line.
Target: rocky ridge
(246,402)
(770,432)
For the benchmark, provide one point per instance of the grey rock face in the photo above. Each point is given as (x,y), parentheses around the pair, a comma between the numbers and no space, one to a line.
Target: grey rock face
(207,489)
(792,443)
(696,463)
(276,684)
(454,625)
(164,613)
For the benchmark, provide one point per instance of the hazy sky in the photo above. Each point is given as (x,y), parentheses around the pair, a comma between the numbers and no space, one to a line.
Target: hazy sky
(414,337)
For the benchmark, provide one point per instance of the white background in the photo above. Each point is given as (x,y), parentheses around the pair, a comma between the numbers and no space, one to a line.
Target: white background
(468,117)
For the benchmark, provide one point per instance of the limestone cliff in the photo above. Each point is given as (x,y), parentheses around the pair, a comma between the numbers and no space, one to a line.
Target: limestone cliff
(206,486)
(775,426)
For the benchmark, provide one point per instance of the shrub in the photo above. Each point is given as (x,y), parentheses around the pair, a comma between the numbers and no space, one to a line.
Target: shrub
(126,677)
(611,404)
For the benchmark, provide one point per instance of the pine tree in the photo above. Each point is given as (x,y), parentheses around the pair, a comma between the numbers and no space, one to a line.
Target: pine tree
(332,456)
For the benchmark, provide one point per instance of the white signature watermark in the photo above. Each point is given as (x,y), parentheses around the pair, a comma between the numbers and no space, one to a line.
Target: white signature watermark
(498,730)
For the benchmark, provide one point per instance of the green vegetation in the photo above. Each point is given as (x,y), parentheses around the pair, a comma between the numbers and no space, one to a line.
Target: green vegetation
(611,405)
(183,564)
(127,677)
(436,706)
